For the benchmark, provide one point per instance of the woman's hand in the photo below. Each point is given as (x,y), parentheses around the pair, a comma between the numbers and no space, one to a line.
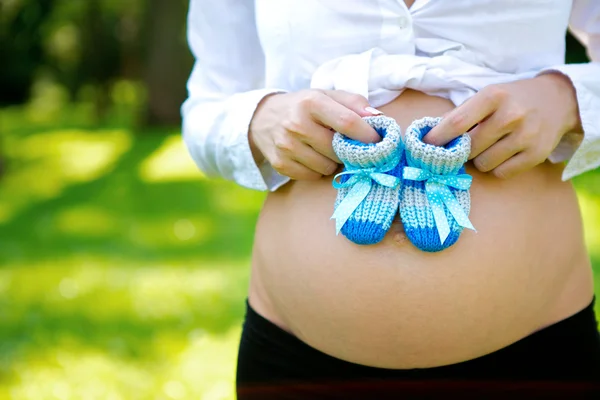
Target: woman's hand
(513,126)
(293,131)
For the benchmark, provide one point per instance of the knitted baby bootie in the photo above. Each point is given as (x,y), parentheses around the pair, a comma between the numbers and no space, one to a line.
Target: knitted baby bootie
(369,185)
(435,200)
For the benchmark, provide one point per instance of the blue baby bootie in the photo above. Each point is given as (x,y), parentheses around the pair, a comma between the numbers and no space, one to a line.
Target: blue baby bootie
(369,185)
(435,200)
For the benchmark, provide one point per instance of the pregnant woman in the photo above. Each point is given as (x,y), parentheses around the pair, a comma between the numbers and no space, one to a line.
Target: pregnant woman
(512,301)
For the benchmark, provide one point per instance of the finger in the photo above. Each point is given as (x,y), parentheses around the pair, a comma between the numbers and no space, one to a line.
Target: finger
(354,102)
(319,138)
(486,133)
(294,169)
(517,164)
(464,117)
(497,154)
(328,112)
(308,157)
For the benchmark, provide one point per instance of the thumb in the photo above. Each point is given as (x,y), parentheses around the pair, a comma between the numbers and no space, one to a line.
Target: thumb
(354,102)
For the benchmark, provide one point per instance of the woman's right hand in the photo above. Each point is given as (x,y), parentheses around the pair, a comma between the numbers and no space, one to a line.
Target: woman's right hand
(293,131)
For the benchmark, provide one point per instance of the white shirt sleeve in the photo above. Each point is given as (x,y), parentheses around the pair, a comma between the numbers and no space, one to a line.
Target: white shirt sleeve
(583,152)
(224,89)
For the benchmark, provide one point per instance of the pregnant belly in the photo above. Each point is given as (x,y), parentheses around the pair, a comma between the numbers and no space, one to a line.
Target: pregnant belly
(391,305)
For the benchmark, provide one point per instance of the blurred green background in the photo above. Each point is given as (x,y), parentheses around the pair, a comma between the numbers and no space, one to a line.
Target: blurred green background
(123,272)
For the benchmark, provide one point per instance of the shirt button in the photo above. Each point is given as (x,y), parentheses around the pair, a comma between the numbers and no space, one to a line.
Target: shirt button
(403,22)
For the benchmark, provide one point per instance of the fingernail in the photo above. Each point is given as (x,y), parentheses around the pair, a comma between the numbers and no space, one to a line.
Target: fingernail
(373,111)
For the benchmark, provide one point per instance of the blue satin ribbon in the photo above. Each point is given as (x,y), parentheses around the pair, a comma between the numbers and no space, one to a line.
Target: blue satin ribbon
(361,182)
(439,195)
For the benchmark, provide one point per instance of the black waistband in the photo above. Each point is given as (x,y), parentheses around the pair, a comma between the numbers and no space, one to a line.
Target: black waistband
(568,349)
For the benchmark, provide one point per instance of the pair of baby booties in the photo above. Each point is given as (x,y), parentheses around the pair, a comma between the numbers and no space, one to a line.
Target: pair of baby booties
(426,184)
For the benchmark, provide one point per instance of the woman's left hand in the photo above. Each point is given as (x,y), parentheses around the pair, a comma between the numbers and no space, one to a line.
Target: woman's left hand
(513,126)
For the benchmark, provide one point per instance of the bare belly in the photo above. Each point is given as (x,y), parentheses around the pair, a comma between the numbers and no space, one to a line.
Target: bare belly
(391,305)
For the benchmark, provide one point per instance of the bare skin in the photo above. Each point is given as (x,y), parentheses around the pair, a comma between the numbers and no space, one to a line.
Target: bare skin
(391,305)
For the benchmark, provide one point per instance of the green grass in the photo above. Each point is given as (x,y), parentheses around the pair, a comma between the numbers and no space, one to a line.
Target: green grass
(122,271)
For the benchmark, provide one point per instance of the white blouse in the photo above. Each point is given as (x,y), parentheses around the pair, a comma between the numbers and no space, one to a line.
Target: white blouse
(247,49)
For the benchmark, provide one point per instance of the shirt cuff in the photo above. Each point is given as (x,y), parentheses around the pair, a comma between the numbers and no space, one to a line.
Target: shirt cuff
(245,170)
(582,150)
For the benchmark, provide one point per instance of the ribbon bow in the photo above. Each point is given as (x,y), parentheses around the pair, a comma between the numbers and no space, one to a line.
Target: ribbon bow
(438,195)
(361,182)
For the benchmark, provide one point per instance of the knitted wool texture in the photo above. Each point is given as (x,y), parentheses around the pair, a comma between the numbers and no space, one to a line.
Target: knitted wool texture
(373,217)
(415,212)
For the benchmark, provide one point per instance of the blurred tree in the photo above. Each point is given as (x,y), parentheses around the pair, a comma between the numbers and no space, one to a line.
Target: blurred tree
(21,46)
(93,44)
(100,61)
(167,60)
